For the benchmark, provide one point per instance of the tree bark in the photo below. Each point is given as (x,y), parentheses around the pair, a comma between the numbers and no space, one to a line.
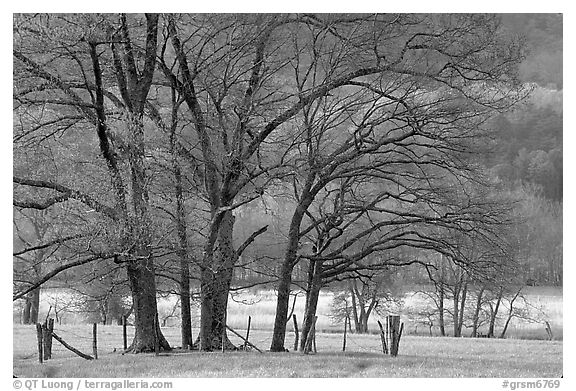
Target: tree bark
(362,319)
(143,287)
(215,288)
(140,270)
(312,296)
(285,278)
(31,307)
(282,305)
(354,308)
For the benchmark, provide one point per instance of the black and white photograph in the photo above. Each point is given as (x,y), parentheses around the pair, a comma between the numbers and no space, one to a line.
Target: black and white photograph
(286,195)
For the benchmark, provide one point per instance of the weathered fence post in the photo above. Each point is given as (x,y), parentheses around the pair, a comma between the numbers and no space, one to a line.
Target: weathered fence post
(47,328)
(247,332)
(296,334)
(399,337)
(48,343)
(39,336)
(95,341)
(383,338)
(156,336)
(124,335)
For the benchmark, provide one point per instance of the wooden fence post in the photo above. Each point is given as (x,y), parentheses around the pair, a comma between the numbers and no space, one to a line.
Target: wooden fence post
(383,338)
(395,331)
(39,336)
(48,343)
(95,341)
(247,332)
(124,336)
(296,334)
(399,337)
(47,329)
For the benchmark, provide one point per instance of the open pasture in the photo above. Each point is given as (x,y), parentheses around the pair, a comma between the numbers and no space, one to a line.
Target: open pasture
(419,357)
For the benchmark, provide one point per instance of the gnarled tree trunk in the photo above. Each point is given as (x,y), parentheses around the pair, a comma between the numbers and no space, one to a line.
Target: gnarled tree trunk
(215,287)
(141,278)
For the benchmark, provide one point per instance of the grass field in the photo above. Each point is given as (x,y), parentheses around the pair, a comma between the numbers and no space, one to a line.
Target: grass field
(523,354)
(419,357)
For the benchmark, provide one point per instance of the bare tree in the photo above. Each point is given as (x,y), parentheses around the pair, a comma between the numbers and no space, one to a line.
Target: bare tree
(406,101)
(79,63)
(363,296)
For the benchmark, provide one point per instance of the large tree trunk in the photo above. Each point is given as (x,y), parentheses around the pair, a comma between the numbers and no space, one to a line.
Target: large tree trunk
(140,269)
(282,305)
(143,286)
(364,323)
(31,307)
(206,309)
(285,278)
(215,288)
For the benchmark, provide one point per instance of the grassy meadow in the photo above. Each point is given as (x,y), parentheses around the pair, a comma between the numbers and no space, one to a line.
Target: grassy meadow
(419,357)
(524,353)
